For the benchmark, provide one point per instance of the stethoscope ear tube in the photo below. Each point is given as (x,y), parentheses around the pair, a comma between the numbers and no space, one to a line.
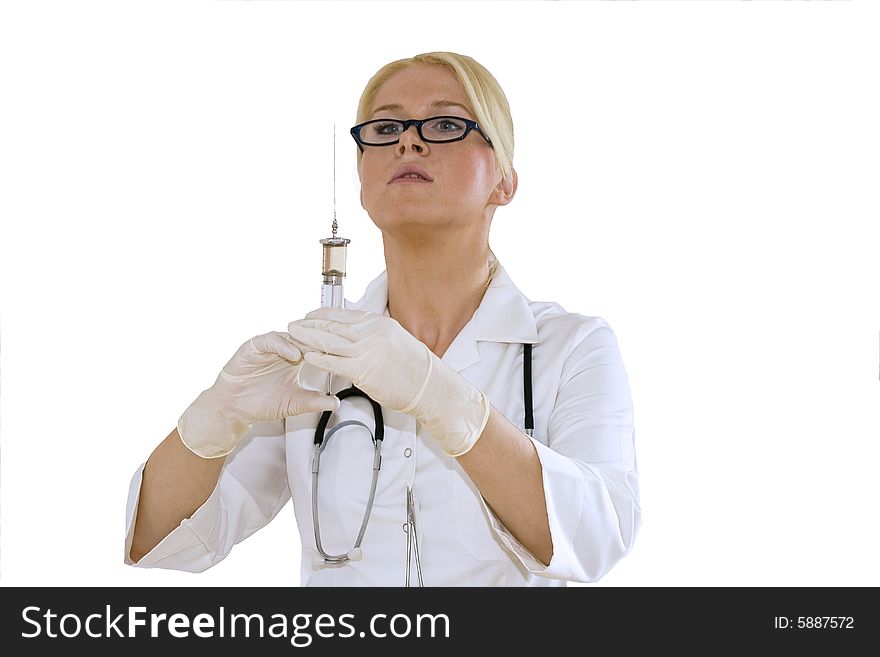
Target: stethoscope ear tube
(529,420)
(321,441)
(353,391)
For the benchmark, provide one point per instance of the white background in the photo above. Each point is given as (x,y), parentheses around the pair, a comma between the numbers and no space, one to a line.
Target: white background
(702,175)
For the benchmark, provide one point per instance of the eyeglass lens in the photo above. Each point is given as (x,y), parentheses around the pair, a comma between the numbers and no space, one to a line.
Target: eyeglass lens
(443,128)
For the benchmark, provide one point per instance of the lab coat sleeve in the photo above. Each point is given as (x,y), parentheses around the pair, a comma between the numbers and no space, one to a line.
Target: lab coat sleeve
(251,490)
(589,468)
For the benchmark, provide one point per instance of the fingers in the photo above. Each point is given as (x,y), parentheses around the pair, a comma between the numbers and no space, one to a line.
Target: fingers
(312,401)
(278,343)
(351,332)
(335,364)
(314,339)
(341,315)
(352,324)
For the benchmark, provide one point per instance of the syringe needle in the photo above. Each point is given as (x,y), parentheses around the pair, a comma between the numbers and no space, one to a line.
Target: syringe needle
(334,181)
(334,227)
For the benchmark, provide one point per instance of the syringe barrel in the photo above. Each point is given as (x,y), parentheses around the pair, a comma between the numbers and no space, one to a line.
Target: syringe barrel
(333,271)
(335,249)
(332,295)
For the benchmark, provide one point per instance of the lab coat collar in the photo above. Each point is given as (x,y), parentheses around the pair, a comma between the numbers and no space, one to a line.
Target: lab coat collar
(504,315)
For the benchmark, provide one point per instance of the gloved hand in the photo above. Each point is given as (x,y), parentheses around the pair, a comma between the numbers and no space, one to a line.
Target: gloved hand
(258,384)
(384,360)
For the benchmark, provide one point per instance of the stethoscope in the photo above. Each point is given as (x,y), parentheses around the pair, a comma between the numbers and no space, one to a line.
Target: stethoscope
(321,440)
(321,443)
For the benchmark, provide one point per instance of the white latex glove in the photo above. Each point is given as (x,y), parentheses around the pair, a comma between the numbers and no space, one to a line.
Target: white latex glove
(258,384)
(398,371)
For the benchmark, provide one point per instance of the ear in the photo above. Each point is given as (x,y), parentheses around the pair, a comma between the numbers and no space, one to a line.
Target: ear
(505,190)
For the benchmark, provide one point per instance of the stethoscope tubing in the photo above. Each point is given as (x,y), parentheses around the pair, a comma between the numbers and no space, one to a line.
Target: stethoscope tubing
(377,437)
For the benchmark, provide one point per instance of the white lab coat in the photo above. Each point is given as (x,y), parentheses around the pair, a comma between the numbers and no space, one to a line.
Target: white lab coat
(583,434)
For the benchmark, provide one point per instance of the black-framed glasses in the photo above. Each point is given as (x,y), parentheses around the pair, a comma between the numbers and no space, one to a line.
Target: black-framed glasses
(434,130)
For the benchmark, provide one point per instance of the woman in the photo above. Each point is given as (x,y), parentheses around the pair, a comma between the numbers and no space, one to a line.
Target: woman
(442,341)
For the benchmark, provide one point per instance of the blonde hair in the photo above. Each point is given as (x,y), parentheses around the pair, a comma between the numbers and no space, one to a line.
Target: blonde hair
(486,97)
(493,266)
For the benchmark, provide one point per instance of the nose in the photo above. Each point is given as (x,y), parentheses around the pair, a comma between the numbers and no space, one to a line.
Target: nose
(409,138)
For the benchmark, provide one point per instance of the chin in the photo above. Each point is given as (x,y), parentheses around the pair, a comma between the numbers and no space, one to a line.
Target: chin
(405,212)
(417,223)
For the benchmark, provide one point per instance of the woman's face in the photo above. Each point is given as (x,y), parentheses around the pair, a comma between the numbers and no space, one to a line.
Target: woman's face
(466,181)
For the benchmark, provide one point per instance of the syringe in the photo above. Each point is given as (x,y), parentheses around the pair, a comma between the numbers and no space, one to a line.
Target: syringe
(333,267)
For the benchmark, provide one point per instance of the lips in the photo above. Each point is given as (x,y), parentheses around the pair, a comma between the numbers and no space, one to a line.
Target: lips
(410,173)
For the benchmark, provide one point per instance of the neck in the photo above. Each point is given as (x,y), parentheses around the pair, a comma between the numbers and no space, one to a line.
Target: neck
(435,286)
